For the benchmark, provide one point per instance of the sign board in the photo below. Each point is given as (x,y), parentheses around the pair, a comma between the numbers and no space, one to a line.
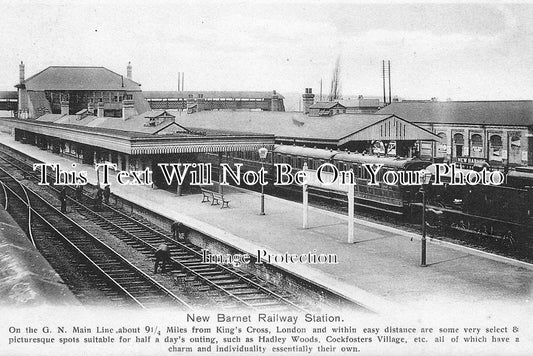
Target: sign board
(312,179)
(328,180)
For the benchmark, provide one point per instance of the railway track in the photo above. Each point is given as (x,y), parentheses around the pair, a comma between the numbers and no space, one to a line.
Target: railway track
(58,236)
(224,284)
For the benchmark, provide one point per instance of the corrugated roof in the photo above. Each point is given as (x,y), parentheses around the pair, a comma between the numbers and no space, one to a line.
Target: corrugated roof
(518,112)
(79,78)
(211,94)
(280,124)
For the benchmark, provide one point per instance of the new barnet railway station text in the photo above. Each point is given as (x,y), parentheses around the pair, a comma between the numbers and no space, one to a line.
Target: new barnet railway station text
(200,174)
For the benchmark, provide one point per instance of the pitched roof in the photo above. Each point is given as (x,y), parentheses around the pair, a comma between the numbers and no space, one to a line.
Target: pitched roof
(517,112)
(156,113)
(280,124)
(211,94)
(135,124)
(79,78)
(360,103)
(325,105)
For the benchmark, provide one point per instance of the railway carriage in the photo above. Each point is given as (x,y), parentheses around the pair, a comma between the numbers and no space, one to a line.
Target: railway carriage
(498,213)
(390,198)
(521,177)
(493,213)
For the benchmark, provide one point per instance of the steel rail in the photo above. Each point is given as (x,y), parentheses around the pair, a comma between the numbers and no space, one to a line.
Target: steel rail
(65,238)
(227,270)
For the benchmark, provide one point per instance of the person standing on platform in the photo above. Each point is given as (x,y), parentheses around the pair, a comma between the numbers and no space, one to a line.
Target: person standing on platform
(107,194)
(162,255)
(98,199)
(79,192)
(63,199)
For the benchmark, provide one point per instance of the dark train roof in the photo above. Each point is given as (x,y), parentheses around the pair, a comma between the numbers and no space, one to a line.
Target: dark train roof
(371,159)
(318,153)
(512,112)
(522,172)
(9,95)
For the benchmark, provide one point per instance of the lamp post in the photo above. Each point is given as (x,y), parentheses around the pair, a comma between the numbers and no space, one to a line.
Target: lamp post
(425,176)
(262,154)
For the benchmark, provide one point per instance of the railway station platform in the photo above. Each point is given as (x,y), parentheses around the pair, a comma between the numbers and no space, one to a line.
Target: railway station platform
(380,270)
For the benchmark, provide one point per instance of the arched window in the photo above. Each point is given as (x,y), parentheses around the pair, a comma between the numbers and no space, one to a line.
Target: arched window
(458,142)
(442,146)
(514,151)
(476,146)
(495,148)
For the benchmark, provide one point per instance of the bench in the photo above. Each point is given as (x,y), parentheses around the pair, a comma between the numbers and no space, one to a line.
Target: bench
(217,198)
(206,194)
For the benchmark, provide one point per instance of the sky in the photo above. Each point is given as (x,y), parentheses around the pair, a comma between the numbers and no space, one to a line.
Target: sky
(479,51)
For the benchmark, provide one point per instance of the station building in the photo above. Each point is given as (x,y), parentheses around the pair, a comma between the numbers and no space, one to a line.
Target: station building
(194,101)
(93,115)
(471,132)
(67,90)
(360,105)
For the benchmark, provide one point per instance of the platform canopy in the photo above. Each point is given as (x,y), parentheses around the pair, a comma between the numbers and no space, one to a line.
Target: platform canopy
(335,130)
(137,143)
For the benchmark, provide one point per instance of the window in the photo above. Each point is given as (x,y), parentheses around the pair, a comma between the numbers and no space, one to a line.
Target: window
(514,149)
(495,148)
(458,141)
(476,146)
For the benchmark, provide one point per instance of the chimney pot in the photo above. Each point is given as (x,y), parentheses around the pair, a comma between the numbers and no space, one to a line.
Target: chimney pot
(128,109)
(21,72)
(308,99)
(129,70)
(100,109)
(65,110)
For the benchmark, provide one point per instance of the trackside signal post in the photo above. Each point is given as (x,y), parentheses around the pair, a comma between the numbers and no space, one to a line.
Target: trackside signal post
(329,183)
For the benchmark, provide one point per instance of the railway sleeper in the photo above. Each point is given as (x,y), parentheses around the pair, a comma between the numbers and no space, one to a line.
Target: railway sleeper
(271,303)
(236,286)
(211,273)
(245,291)
(223,282)
(255,297)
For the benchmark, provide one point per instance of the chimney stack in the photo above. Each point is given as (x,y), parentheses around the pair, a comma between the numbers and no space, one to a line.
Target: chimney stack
(21,72)
(308,99)
(200,103)
(90,108)
(128,71)
(100,109)
(128,109)
(65,107)
(274,102)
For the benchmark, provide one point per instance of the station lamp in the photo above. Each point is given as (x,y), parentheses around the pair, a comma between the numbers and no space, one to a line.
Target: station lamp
(425,179)
(263,152)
